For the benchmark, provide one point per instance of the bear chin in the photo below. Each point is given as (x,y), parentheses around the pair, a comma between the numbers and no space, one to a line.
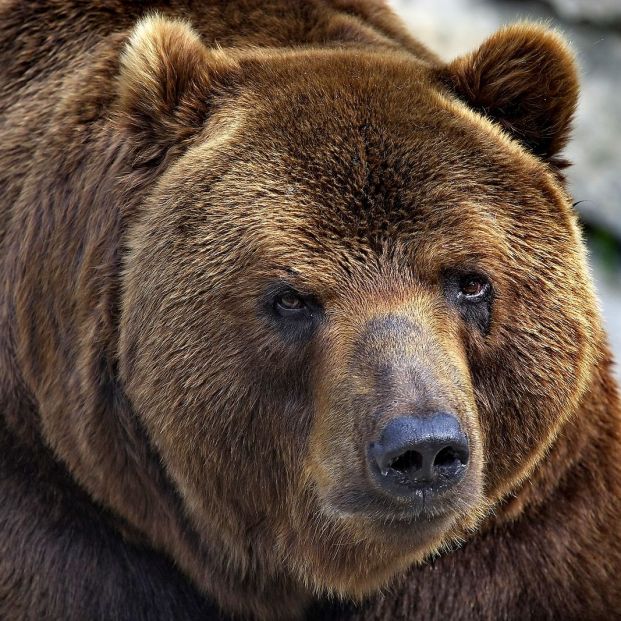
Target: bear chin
(365,568)
(355,556)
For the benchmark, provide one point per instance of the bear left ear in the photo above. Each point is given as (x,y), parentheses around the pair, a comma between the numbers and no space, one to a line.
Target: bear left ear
(167,85)
(525,78)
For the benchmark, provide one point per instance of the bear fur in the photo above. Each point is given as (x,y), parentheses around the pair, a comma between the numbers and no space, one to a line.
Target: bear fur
(169,449)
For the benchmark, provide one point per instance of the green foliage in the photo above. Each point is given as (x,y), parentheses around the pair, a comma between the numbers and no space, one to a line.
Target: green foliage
(605,248)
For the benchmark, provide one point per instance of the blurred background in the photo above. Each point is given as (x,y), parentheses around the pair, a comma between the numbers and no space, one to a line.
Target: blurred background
(593,27)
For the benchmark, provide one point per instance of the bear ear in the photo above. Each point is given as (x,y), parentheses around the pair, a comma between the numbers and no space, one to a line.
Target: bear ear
(525,78)
(167,85)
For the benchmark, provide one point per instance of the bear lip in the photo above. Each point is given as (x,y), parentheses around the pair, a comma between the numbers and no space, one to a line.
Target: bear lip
(418,508)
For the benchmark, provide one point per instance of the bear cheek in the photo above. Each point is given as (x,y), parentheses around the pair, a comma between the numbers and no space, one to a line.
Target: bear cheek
(196,360)
(531,375)
(524,409)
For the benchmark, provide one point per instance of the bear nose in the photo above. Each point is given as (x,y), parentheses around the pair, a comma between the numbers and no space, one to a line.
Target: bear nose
(415,452)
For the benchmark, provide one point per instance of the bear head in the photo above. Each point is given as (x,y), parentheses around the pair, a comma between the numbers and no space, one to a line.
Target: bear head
(352,311)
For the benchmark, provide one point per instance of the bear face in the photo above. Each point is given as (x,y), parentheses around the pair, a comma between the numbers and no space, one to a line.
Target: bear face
(340,241)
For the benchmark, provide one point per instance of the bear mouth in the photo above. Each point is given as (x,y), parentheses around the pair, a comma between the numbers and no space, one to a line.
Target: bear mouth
(411,530)
(424,506)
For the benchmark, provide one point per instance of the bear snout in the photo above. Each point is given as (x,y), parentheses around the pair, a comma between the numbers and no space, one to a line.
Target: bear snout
(412,450)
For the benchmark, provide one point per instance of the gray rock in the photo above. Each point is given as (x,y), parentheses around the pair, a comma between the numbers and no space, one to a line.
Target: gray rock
(597,11)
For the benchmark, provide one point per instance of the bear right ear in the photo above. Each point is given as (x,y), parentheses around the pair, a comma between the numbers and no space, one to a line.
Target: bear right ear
(167,84)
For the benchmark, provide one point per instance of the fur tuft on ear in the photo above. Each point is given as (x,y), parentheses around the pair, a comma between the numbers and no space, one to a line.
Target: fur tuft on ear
(167,83)
(525,78)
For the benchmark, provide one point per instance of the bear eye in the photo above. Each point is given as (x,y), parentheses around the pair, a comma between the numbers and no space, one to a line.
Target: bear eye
(473,287)
(471,294)
(290,303)
(294,315)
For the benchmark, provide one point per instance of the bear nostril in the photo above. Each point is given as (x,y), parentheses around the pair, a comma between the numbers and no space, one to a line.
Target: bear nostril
(448,456)
(409,461)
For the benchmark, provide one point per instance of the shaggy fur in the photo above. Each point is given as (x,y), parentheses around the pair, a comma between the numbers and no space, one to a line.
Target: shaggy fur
(168,448)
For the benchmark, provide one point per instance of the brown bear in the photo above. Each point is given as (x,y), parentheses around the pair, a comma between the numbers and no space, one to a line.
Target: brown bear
(295,321)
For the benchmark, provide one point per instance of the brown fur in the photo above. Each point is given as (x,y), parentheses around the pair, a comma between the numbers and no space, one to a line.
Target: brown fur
(166,449)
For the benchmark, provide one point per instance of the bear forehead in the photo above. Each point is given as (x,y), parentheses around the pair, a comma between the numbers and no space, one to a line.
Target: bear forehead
(358,153)
(368,135)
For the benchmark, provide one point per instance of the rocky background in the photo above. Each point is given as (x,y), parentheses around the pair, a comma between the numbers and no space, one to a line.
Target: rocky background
(452,27)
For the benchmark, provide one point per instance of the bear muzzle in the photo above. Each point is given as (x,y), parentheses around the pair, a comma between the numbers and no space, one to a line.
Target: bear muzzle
(410,455)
